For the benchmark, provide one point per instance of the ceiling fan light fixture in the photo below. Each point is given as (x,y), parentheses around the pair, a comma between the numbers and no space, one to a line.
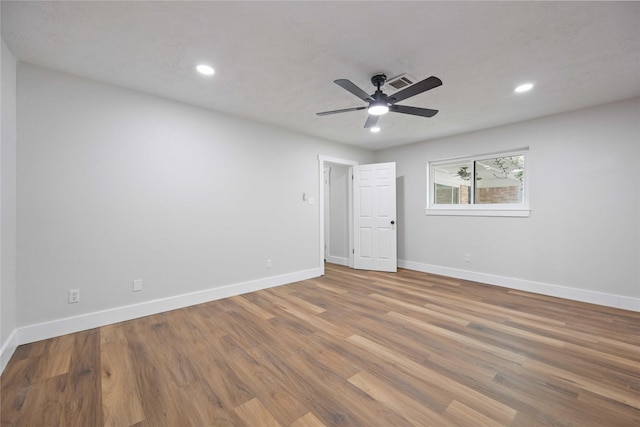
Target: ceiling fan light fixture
(378,108)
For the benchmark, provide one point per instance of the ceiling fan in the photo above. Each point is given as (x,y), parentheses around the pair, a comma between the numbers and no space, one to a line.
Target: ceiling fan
(380,104)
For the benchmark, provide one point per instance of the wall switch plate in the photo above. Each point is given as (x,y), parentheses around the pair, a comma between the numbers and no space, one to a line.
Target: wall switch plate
(268,263)
(312,200)
(137,285)
(467,257)
(74,296)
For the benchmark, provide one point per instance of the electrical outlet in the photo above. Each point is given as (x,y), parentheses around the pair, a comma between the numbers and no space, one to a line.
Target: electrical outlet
(137,285)
(467,257)
(268,263)
(74,296)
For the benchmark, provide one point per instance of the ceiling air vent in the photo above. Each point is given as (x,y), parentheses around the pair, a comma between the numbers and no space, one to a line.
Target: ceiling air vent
(400,82)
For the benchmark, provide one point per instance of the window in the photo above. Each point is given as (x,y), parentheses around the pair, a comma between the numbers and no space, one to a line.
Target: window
(488,185)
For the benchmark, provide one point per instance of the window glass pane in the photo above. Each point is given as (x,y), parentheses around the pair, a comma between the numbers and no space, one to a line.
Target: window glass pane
(499,180)
(452,184)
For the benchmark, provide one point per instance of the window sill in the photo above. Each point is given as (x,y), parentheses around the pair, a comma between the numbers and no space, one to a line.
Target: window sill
(520,212)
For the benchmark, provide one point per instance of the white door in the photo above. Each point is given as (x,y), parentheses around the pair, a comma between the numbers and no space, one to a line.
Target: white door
(374,217)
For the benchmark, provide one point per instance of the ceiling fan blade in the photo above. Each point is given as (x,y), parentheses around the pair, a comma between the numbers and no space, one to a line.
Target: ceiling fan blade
(423,86)
(345,110)
(349,86)
(371,121)
(416,111)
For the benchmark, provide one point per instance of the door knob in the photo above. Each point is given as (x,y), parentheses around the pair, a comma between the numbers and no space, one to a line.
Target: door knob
(393,222)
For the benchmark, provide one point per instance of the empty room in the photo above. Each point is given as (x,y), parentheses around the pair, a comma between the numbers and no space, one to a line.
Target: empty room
(301,213)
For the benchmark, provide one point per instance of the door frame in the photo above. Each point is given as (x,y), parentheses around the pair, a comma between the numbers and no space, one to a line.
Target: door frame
(326,176)
(322,162)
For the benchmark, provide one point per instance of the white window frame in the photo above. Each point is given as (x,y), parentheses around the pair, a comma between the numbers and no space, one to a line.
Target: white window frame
(498,209)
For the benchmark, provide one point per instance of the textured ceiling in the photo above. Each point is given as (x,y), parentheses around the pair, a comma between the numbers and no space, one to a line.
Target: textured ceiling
(276,61)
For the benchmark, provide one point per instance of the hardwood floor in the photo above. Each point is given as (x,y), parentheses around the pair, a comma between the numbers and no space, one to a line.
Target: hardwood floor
(351,348)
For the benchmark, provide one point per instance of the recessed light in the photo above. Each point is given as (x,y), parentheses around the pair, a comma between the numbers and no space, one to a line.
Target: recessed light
(524,87)
(375,129)
(205,70)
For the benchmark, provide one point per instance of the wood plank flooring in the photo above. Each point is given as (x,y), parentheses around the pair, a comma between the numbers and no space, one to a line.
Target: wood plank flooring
(351,348)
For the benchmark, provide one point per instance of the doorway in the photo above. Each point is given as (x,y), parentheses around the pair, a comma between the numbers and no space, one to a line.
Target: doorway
(337,180)
(333,249)
(370,213)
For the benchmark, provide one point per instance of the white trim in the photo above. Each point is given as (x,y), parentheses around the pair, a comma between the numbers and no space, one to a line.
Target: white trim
(521,213)
(321,163)
(326,182)
(338,260)
(8,348)
(350,250)
(96,319)
(583,295)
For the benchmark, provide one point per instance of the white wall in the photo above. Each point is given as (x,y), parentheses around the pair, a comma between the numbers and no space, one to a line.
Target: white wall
(8,207)
(115,185)
(583,232)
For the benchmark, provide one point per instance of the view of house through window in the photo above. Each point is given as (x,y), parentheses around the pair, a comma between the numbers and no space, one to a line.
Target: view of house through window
(452,184)
(495,180)
(499,180)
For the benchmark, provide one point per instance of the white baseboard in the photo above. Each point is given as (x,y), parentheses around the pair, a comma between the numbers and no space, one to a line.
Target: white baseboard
(40,331)
(8,348)
(338,260)
(69,325)
(593,297)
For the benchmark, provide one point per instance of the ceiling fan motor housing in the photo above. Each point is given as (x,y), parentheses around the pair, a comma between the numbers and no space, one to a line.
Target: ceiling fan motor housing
(378,80)
(380,104)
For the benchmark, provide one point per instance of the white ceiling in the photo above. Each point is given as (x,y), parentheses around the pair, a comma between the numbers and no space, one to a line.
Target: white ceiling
(276,61)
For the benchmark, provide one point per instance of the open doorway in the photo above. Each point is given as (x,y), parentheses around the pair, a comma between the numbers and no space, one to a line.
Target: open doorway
(336,237)
(370,214)
(336,183)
